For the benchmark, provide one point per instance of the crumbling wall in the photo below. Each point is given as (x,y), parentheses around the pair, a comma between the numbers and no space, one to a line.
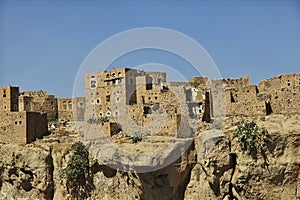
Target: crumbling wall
(39,101)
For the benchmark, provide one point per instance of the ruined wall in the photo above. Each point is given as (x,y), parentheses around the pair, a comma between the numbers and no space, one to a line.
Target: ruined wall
(39,101)
(281,93)
(65,109)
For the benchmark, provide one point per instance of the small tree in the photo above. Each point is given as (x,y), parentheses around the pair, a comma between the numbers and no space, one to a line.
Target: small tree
(251,137)
(76,171)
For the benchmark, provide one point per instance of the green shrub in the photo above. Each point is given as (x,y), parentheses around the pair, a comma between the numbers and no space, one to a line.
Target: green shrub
(78,164)
(135,138)
(251,137)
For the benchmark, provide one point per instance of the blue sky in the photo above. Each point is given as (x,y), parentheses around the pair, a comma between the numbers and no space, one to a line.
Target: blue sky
(43,43)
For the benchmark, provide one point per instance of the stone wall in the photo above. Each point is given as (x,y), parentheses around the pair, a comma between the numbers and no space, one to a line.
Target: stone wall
(39,101)
(36,126)
(9,99)
(22,127)
(65,109)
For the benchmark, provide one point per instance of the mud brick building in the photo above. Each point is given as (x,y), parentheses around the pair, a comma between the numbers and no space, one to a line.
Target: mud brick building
(18,126)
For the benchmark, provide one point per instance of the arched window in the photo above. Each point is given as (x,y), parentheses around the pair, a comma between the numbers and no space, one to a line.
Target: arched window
(70,105)
(98,101)
(108,113)
(119,74)
(64,105)
(107,75)
(93,84)
(100,114)
(113,74)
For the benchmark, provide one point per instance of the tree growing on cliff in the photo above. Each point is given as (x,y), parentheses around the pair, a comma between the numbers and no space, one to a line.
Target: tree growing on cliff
(252,138)
(77,170)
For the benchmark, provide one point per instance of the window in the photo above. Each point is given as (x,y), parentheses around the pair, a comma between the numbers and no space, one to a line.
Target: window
(65,105)
(119,74)
(93,84)
(98,101)
(93,77)
(70,105)
(120,80)
(113,74)
(108,113)
(118,99)
(4,95)
(20,122)
(107,75)
(100,114)
(16,122)
(108,98)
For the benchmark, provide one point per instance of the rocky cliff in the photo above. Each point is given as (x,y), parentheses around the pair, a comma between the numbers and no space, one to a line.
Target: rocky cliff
(213,167)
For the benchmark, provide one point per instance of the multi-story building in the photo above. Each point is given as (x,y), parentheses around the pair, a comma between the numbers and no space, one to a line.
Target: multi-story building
(16,126)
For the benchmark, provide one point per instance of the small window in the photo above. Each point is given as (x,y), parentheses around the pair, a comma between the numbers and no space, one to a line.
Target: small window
(20,122)
(93,77)
(107,75)
(16,122)
(119,74)
(100,114)
(64,105)
(4,95)
(118,99)
(113,74)
(93,84)
(120,80)
(98,101)
(108,113)
(108,98)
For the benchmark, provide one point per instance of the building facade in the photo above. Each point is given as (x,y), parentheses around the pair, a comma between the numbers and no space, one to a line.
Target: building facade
(20,127)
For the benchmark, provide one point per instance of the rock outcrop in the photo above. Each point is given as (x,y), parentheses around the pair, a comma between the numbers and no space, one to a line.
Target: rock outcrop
(213,167)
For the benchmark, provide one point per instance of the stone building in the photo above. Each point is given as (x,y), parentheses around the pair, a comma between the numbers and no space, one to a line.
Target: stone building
(20,127)
(71,109)
(39,101)
(138,101)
